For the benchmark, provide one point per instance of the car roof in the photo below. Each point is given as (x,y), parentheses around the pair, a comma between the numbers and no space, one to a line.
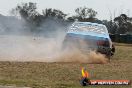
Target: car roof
(89,33)
(89,23)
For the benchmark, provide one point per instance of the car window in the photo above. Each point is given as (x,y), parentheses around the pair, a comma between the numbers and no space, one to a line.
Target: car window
(83,27)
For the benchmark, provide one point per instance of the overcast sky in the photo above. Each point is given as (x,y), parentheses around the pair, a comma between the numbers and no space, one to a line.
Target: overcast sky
(103,7)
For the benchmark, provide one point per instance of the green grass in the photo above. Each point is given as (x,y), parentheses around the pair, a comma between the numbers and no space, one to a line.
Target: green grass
(67,75)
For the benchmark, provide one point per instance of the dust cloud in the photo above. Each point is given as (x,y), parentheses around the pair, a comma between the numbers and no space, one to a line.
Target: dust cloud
(21,45)
(79,57)
(41,49)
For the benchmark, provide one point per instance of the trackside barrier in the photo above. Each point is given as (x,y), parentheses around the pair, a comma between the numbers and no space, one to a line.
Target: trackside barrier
(121,38)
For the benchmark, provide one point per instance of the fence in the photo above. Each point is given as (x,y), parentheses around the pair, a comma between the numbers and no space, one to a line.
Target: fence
(121,38)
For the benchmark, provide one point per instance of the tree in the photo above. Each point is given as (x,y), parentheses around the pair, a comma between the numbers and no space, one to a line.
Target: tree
(111,26)
(123,24)
(85,14)
(54,13)
(28,11)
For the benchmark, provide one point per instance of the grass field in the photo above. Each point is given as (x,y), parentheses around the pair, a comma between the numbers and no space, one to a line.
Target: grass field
(63,75)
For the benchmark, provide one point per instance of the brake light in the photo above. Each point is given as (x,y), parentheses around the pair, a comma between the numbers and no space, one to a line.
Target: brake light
(103,43)
(100,42)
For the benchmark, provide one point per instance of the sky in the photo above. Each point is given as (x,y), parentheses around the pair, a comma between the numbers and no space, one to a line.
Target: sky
(105,8)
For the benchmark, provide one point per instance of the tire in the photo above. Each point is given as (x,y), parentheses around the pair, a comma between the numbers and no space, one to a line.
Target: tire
(113,50)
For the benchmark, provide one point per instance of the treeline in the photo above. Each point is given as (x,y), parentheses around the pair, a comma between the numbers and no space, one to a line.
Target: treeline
(28,11)
(51,19)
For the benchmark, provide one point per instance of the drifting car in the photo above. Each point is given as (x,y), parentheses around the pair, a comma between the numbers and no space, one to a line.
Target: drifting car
(87,36)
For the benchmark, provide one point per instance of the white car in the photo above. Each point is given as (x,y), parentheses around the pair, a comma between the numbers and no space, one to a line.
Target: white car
(89,36)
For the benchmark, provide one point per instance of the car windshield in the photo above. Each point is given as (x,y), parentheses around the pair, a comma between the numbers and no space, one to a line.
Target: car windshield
(83,27)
